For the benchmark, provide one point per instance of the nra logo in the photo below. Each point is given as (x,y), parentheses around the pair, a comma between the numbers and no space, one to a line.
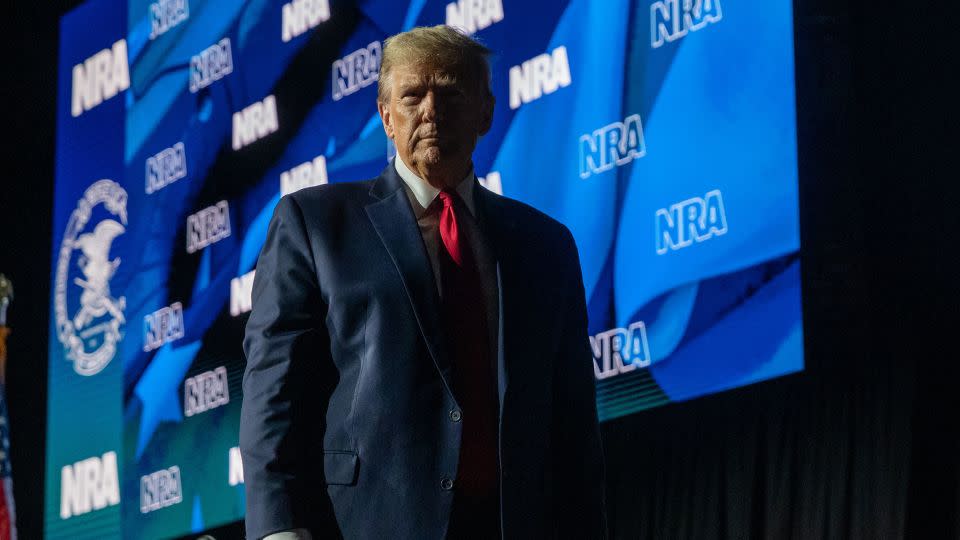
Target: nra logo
(620,350)
(357,70)
(88,485)
(255,122)
(468,16)
(166,14)
(208,226)
(670,20)
(611,146)
(160,489)
(302,15)
(162,326)
(543,74)
(211,65)
(235,467)
(206,391)
(492,182)
(165,168)
(306,174)
(241,292)
(99,78)
(691,221)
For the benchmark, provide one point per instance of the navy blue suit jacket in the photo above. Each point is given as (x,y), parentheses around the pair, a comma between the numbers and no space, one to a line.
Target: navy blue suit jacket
(346,424)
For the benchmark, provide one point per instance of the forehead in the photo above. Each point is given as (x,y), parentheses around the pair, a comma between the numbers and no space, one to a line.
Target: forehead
(409,74)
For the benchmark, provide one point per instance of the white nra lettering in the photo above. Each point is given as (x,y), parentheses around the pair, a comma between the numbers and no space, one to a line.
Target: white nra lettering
(241,291)
(160,489)
(255,122)
(302,15)
(206,391)
(165,168)
(468,16)
(212,64)
(620,350)
(235,473)
(166,14)
(543,74)
(208,226)
(99,78)
(162,326)
(492,182)
(670,20)
(612,145)
(693,220)
(357,70)
(88,485)
(307,174)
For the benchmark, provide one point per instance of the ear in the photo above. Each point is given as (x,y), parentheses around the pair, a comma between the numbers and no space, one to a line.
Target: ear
(486,114)
(386,118)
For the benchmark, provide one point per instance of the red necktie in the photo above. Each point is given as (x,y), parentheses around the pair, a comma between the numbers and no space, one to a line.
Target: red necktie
(465,323)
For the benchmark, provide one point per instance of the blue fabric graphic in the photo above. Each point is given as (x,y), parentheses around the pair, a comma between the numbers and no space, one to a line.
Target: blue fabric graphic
(158,387)
(540,144)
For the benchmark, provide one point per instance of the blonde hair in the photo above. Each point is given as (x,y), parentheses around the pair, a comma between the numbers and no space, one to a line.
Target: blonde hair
(437,46)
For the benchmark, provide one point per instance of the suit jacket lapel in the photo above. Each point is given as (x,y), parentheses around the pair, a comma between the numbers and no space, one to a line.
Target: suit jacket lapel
(499,228)
(393,219)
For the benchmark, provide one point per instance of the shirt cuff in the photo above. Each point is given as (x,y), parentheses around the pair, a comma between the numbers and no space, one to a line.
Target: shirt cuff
(295,534)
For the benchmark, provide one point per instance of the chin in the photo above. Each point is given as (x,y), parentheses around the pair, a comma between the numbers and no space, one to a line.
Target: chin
(431,156)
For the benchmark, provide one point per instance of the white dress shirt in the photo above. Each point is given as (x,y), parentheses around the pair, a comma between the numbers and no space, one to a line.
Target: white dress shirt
(420,194)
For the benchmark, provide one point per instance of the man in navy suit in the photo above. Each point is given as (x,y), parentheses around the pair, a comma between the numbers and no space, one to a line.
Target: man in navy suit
(417,356)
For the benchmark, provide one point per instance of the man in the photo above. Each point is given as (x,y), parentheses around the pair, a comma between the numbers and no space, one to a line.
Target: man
(417,355)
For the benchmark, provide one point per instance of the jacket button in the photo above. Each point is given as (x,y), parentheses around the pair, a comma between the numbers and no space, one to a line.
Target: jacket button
(446,484)
(455,415)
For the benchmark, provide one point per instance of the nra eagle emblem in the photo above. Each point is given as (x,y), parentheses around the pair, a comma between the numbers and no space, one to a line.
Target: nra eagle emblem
(88,316)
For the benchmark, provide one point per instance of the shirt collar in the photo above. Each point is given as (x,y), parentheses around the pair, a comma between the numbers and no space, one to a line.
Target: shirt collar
(421,193)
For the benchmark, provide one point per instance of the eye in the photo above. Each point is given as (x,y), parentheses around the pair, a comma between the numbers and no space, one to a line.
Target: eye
(409,96)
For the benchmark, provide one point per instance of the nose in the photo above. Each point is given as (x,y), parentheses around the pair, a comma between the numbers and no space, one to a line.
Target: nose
(429,107)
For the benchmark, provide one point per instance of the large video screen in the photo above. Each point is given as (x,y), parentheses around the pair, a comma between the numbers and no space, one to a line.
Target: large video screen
(662,133)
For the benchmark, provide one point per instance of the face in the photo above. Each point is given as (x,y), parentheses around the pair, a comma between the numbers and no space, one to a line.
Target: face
(435,117)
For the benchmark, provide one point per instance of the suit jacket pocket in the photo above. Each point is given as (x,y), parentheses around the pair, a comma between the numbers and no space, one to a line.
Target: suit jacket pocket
(340,467)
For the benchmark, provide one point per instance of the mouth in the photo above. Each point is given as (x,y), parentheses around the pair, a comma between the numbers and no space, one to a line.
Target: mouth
(432,140)
(428,132)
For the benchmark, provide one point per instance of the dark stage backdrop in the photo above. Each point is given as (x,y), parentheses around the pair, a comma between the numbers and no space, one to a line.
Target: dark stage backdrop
(862,444)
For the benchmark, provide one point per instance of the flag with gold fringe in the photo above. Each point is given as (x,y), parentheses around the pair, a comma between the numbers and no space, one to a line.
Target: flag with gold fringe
(8,515)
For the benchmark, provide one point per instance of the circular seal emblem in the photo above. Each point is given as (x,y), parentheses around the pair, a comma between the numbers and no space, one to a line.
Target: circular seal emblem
(88,317)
